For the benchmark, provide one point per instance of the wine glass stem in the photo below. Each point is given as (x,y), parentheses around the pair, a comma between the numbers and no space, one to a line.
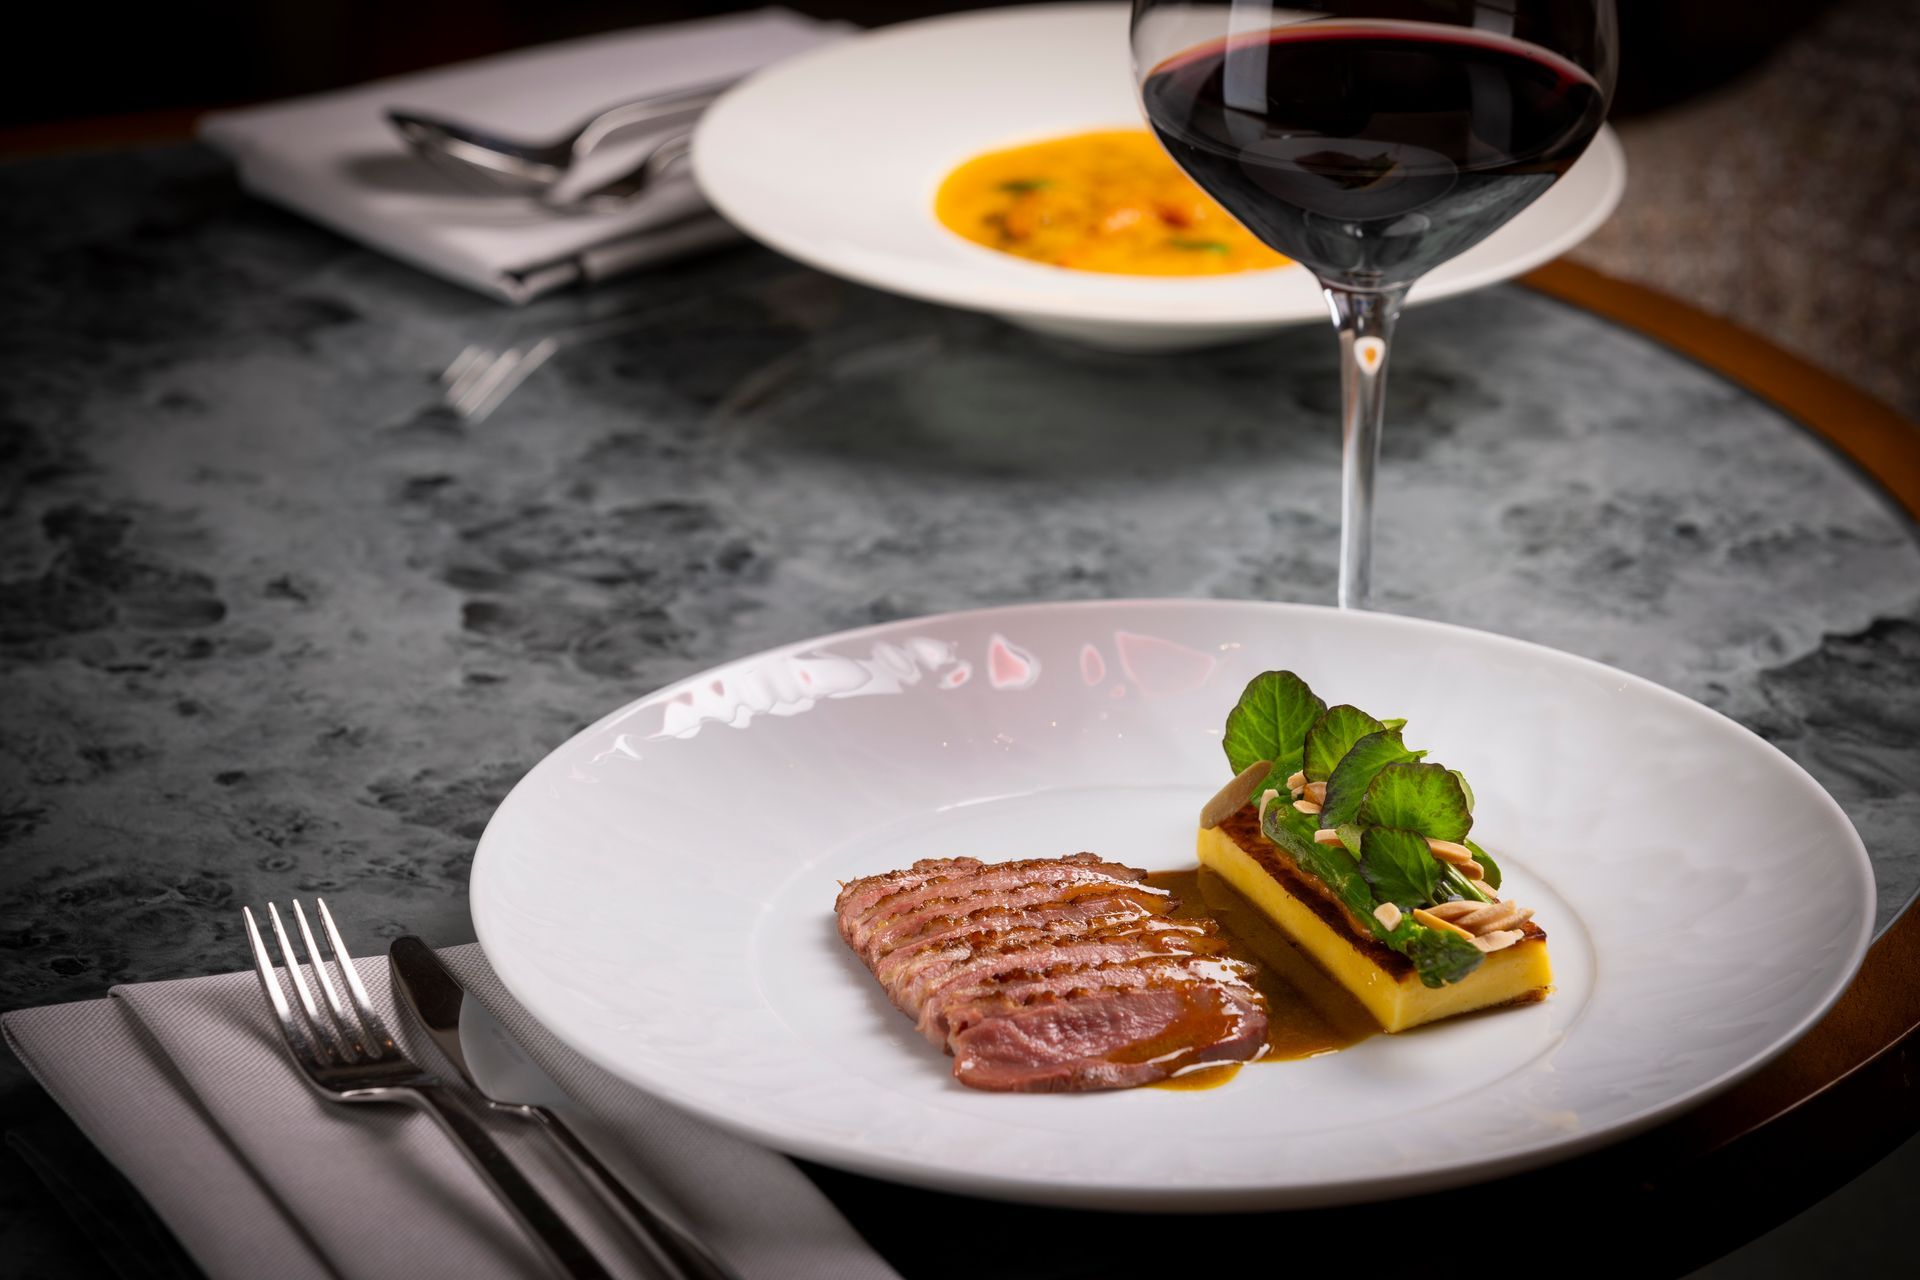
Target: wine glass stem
(1364,319)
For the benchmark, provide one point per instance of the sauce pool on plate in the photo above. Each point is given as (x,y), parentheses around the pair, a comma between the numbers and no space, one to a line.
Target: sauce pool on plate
(1109,201)
(1308,1013)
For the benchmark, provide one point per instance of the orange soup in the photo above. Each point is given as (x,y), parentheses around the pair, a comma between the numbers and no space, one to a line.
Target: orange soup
(1109,201)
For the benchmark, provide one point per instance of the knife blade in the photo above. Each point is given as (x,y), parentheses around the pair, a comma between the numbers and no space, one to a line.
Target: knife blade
(489,1059)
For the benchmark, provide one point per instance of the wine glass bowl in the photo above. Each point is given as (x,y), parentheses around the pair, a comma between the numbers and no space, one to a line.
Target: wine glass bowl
(1372,140)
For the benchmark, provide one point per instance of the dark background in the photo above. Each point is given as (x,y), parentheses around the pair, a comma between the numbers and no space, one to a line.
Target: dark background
(76,61)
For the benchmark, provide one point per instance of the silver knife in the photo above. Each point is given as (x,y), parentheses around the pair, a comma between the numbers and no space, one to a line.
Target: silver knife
(489,1059)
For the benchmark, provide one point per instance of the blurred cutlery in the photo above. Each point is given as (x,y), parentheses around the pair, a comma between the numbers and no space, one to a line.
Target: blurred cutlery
(531,167)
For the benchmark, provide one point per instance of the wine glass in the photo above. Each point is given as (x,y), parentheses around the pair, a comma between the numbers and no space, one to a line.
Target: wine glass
(1372,140)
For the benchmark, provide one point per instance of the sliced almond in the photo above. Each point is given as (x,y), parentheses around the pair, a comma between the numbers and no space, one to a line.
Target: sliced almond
(1433,921)
(1267,797)
(1498,940)
(1316,792)
(1388,915)
(1448,851)
(1498,916)
(1306,806)
(1454,910)
(1233,797)
(1481,918)
(1328,836)
(1296,781)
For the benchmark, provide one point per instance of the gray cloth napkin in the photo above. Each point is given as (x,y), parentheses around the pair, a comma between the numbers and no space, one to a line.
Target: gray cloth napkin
(187,1087)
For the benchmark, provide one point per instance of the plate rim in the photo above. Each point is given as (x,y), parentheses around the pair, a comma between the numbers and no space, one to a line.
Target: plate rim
(1229,1198)
(1045,299)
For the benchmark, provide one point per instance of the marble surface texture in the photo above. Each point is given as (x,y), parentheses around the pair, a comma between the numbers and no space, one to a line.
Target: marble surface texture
(273,621)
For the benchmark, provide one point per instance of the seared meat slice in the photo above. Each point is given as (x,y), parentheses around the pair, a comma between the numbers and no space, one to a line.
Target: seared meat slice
(899,915)
(962,934)
(1051,973)
(1109,1039)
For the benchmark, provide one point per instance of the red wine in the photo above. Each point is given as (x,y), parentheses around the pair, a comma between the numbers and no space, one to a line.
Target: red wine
(1372,151)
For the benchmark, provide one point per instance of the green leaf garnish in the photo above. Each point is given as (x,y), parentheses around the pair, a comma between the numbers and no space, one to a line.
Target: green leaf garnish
(1381,801)
(1332,736)
(1436,957)
(1399,867)
(1020,186)
(1335,867)
(1440,957)
(1203,246)
(1452,886)
(1416,797)
(1347,785)
(1270,722)
(1481,856)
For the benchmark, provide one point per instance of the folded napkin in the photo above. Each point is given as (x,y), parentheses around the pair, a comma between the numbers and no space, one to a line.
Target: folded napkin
(334,158)
(187,1087)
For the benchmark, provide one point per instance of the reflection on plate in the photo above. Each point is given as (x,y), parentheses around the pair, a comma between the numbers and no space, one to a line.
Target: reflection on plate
(659,892)
(834,157)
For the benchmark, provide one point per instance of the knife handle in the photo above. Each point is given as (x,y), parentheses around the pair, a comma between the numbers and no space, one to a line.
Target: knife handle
(548,1231)
(680,1255)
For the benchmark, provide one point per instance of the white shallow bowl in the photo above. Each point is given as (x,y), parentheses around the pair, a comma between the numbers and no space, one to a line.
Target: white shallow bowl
(834,157)
(659,892)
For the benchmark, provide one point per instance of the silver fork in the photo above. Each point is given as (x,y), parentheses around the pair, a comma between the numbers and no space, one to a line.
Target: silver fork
(348,1056)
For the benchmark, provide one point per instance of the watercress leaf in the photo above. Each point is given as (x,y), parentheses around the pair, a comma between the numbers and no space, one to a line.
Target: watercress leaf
(1464,788)
(1440,956)
(1332,865)
(1270,722)
(1332,736)
(1347,785)
(1399,723)
(1417,797)
(1398,866)
(1349,833)
(1485,859)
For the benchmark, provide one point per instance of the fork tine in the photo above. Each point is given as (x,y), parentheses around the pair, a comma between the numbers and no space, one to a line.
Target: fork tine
(351,1034)
(461,363)
(376,1029)
(323,1034)
(480,409)
(296,1036)
(464,399)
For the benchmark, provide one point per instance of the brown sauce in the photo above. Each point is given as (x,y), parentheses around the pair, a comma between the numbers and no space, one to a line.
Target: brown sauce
(1308,1013)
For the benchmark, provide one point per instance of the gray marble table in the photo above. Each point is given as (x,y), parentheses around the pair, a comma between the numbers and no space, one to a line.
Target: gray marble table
(272,620)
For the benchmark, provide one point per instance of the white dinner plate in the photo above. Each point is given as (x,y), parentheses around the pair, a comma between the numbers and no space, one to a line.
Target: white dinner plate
(833,158)
(659,892)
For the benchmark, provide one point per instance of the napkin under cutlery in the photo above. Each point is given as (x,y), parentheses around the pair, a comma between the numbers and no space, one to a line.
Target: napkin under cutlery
(334,158)
(186,1086)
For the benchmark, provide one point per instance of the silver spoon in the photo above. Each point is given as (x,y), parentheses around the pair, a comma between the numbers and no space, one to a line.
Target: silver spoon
(533,167)
(617,193)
